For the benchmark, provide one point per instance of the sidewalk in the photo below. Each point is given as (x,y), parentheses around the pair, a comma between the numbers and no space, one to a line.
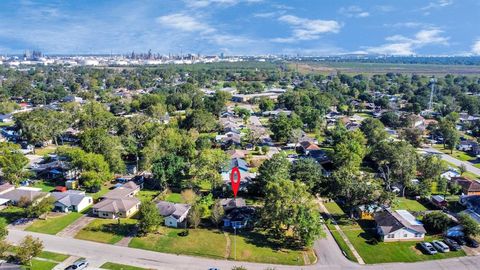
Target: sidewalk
(339,230)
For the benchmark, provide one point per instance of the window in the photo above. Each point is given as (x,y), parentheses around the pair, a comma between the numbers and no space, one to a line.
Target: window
(391,235)
(418,235)
(405,235)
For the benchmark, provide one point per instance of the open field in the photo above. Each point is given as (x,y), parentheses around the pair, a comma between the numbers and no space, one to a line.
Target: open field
(382,68)
(53,225)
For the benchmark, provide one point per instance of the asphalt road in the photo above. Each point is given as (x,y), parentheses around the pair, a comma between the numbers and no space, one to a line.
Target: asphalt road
(329,257)
(455,161)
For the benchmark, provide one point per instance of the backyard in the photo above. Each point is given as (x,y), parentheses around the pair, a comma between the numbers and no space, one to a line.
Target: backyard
(53,225)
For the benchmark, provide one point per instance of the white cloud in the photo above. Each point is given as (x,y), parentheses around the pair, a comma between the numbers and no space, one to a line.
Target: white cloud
(436,5)
(401,45)
(207,3)
(354,11)
(476,47)
(409,25)
(306,29)
(184,23)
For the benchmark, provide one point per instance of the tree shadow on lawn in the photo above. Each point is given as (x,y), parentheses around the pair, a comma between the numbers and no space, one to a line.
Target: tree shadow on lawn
(262,240)
(122,229)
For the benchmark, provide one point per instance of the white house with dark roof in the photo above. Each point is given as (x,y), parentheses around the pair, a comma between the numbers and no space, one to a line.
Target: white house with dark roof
(174,213)
(399,225)
(71,201)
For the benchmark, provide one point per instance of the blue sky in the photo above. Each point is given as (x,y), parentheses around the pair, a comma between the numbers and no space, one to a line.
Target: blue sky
(253,27)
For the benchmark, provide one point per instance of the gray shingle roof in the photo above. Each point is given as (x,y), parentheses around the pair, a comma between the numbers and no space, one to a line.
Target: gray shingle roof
(390,221)
(172,209)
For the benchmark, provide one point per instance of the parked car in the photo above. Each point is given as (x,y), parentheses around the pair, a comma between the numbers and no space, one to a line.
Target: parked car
(452,244)
(471,242)
(428,248)
(80,264)
(440,246)
(460,240)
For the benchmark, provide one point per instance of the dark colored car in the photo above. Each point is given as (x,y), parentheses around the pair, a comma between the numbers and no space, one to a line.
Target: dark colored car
(428,248)
(471,242)
(459,239)
(452,244)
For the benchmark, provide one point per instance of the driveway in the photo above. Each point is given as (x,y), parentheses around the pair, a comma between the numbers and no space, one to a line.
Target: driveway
(453,160)
(71,230)
(328,252)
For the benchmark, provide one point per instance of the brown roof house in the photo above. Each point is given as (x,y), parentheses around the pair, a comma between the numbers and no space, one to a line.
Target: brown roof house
(175,213)
(119,202)
(469,187)
(399,225)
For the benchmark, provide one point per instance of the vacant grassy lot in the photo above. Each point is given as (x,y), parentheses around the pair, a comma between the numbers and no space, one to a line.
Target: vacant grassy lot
(255,247)
(391,252)
(116,266)
(53,225)
(12,213)
(408,204)
(174,198)
(107,230)
(199,242)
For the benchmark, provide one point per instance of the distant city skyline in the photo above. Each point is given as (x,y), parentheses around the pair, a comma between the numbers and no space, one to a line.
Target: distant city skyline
(241,27)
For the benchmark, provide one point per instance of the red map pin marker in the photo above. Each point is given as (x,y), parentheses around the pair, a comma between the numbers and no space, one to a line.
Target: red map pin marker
(235,180)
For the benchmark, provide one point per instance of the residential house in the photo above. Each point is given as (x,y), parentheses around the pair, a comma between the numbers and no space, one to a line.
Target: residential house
(308,146)
(71,201)
(367,211)
(112,208)
(450,174)
(236,153)
(469,187)
(25,194)
(399,225)
(232,203)
(175,214)
(439,201)
(119,202)
(239,218)
(466,145)
(472,203)
(6,118)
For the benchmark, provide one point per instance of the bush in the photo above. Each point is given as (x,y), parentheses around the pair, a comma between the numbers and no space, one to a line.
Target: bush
(436,222)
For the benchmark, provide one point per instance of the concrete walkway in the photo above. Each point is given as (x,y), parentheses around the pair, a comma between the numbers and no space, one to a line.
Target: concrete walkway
(342,234)
(71,230)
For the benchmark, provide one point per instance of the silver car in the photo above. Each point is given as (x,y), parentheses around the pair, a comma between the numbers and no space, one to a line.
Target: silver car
(80,264)
(440,246)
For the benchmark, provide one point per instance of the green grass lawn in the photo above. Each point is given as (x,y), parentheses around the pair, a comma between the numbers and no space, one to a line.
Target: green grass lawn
(106,230)
(53,225)
(103,190)
(199,242)
(334,209)
(46,150)
(58,257)
(392,252)
(40,265)
(12,213)
(147,195)
(174,198)
(456,153)
(255,247)
(116,266)
(408,204)
(46,186)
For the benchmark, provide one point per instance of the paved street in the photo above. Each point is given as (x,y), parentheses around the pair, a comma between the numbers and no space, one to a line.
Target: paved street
(329,257)
(453,160)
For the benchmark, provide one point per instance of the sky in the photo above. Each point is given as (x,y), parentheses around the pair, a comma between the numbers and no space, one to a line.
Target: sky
(242,27)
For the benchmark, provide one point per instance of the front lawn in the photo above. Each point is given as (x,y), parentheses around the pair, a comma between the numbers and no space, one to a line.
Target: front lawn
(53,256)
(402,203)
(53,225)
(40,265)
(116,266)
(199,242)
(107,230)
(256,247)
(456,153)
(12,213)
(392,252)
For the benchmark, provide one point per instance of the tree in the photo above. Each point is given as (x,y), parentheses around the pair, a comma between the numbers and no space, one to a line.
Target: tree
(195,216)
(168,171)
(436,222)
(413,136)
(149,218)
(28,249)
(3,229)
(390,119)
(470,226)
(189,196)
(374,131)
(207,165)
(449,132)
(308,171)
(95,115)
(278,167)
(454,188)
(266,104)
(39,207)
(41,125)
(462,168)
(201,120)
(99,141)
(351,150)
(430,167)
(217,213)
(282,126)
(290,208)
(12,162)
